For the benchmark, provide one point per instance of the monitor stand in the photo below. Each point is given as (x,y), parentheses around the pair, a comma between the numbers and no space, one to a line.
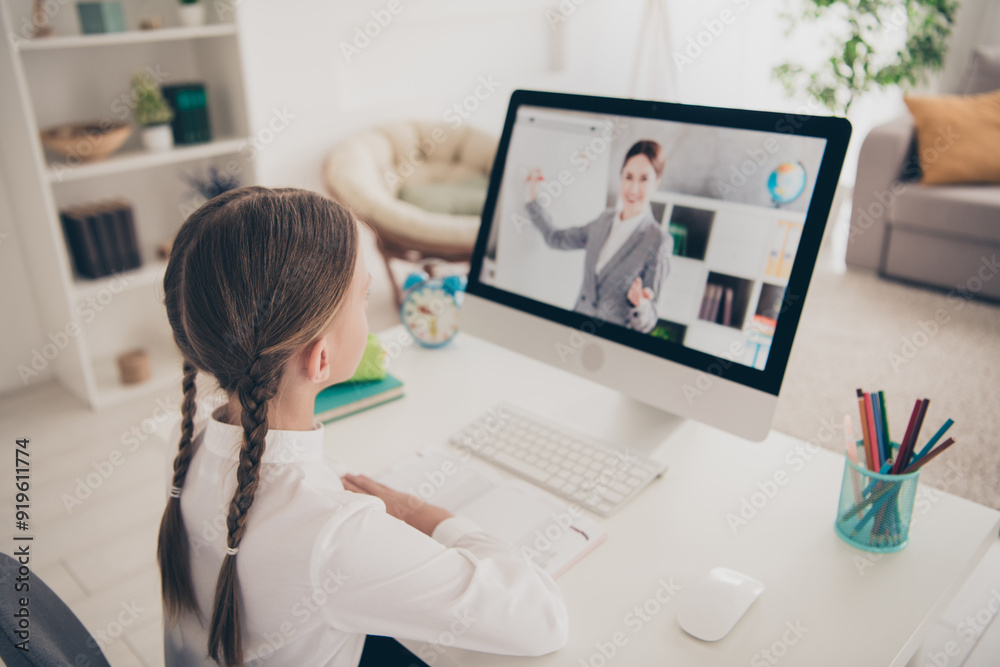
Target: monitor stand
(620,420)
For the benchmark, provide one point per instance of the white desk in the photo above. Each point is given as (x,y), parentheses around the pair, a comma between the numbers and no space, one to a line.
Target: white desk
(849,607)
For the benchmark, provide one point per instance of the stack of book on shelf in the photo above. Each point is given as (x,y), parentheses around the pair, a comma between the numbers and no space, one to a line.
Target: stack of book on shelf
(101,237)
(717,304)
(190,104)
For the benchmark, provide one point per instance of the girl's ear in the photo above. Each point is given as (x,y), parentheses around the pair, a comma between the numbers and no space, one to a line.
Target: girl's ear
(317,356)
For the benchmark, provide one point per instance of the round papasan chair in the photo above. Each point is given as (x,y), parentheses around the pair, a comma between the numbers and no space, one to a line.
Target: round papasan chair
(366,172)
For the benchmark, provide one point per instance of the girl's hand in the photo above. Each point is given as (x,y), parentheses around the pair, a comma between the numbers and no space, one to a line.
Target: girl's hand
(637,293)
(411,509)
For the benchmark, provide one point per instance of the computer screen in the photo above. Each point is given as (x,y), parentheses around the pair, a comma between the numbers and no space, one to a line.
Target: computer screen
(685,233)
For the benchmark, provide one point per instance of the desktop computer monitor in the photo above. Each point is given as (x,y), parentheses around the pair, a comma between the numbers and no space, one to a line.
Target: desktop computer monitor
(663,250)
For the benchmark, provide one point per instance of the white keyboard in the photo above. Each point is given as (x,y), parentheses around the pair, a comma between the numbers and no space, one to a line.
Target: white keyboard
(592,474)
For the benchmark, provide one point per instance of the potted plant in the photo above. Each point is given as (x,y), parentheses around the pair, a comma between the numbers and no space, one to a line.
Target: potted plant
(859,61)
(153,113)
(192,13)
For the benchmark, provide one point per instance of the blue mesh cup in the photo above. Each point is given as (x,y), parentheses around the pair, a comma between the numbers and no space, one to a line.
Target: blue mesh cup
(875,510)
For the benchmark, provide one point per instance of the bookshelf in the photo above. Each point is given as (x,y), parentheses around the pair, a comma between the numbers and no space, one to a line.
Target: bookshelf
(72,77)
(733,270)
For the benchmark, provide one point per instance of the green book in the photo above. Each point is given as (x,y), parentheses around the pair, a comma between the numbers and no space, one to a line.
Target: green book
(100,17)
(347,398)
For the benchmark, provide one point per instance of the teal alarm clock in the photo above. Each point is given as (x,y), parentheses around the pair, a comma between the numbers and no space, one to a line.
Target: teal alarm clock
(430,307)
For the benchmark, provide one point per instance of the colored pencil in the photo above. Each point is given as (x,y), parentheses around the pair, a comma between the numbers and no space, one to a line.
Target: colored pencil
(933,441)
(927,459)
(905,460)
(873,432)
(883,454)
(885,425)
(864,430)
(909,432)
(851,445)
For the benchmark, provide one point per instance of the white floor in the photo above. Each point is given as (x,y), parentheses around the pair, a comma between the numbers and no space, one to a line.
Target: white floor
(95,515)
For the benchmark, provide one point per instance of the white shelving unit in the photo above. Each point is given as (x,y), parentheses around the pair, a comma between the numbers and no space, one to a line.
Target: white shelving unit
(71,77)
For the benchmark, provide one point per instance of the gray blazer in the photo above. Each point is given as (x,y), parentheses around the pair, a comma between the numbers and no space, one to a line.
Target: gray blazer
(645,254)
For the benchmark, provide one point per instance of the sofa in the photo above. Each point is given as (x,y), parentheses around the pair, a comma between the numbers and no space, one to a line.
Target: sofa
(945,236)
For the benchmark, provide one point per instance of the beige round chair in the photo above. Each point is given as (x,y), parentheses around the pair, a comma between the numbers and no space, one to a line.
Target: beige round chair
(366,171)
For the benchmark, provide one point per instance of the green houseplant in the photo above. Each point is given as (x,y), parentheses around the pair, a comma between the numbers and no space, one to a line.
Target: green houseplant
(859,62)
(153,113)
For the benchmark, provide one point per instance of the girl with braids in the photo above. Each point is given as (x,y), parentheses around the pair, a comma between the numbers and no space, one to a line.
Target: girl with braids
(266,292)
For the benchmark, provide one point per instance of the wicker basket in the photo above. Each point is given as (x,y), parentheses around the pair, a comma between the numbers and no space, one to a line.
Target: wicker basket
(86,141)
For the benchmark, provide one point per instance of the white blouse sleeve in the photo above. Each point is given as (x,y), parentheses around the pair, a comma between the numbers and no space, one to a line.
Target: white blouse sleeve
(462,585)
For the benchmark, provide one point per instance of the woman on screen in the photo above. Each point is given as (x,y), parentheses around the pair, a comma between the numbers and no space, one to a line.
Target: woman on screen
(626,248)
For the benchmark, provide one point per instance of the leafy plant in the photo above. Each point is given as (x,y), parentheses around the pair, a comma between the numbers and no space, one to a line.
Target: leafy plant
(214,184)
(856,65)
(150,107)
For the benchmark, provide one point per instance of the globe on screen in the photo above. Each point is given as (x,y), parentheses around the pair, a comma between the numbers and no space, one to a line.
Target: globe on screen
(786,182)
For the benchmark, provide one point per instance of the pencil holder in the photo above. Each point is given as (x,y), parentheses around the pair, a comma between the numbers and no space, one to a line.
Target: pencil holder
(875,510)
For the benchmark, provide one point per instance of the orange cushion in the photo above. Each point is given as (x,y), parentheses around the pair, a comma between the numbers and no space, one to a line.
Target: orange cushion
(958,137)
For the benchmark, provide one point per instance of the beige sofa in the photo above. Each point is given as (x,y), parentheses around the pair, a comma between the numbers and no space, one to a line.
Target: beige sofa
(946,236)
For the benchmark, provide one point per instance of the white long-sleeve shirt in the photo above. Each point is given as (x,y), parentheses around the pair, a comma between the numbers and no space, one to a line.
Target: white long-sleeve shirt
(320,567)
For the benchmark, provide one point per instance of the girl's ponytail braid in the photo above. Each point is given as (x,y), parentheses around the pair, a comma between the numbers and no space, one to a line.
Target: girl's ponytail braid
(172,549)
(255,390)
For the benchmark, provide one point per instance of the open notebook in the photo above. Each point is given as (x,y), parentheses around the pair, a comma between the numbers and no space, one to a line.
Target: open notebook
(549,531)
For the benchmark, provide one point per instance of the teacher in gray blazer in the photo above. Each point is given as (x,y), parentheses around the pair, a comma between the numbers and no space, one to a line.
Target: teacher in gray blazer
(626,250)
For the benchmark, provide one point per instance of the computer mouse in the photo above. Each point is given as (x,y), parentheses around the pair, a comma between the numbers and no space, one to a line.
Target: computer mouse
(710,607)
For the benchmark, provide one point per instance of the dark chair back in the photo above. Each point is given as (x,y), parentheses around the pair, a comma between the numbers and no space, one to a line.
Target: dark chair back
(54,635)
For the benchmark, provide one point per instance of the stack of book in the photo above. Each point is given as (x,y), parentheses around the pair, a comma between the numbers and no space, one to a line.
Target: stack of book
(717,304)
(101,237)
(190,105)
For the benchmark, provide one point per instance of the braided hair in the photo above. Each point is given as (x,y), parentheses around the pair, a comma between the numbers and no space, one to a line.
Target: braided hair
(254,275)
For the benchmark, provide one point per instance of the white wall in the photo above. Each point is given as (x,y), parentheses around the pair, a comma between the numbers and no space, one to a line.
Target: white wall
(19,328)
(978,23)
